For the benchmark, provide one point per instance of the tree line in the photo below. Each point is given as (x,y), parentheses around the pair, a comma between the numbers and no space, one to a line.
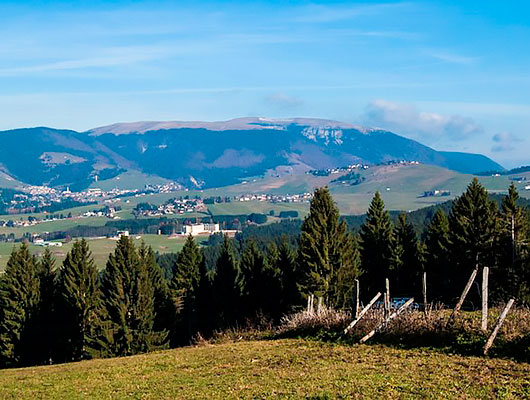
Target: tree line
(140,302)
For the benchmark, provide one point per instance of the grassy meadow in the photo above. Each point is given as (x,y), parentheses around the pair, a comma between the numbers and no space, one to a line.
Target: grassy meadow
(101,247)
(295,368)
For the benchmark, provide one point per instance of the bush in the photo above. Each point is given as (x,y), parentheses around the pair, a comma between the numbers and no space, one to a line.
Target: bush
(257,218)
(288,214)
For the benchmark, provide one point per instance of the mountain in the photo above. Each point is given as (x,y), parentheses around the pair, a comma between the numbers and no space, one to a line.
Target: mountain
(209,154)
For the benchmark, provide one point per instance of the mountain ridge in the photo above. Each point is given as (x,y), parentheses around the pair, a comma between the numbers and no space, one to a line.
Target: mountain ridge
(210,154)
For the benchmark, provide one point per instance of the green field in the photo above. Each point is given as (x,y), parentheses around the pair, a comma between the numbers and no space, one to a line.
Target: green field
(129,180)
(102,247)
(249,207)
(401,187)
(295,369)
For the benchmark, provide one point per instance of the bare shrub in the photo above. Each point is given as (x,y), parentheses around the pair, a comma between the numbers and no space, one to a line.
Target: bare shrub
(328,319)
(412,328)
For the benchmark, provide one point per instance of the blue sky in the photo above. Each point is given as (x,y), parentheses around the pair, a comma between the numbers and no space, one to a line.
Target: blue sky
(452,75)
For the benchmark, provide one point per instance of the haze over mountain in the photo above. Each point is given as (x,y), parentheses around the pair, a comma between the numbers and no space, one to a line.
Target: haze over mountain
(210,154)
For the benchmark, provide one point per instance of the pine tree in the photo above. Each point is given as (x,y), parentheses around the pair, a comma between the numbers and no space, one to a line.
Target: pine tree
(437,245)
(47,316)
(163,305)
(473,228)
(345,277)
(377,247)
(408,264)
(513,276)
(258,282)
(204,297)
(227,286)
(325,247)
(78,304)
(19,306)
(291,279)
(128,296)
(186,276)
(186,271)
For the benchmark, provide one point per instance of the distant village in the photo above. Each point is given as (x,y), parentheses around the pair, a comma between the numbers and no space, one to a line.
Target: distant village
(29,199)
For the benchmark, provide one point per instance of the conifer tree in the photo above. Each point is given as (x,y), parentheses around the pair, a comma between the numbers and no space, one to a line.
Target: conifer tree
(19,302)
(325,247)
(408,264)
(345,278)
(291,279)
(128,296)
(163,304)
(437,245)
(204,297)
(227,286)
(186,271)
(473,228)
(47,316)
(258,282)
(78,304)
(186,276)
(377,246)
(513,277)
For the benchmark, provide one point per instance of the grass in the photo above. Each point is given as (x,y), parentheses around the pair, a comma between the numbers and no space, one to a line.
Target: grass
(129,180)
(100,248)
(274,369)
(262,207)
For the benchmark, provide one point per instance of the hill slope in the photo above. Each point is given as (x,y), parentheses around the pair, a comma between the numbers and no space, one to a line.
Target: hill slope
(266,369)
(209,154)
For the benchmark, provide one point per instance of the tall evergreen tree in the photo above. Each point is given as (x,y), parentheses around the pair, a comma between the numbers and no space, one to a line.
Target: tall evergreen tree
(19,306)
(227,286)
(291,279)
(204,297)
(513,277)
(377,246)
(345,278)
(186,277)
(408,263)
(474,232)
(258,281)
(437,245)
(186,271)
(128,296)
(78,304)
(47,315)
(325,247)
(163,304)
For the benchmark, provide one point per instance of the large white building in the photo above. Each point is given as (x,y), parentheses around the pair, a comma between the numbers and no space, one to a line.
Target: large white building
(199,229)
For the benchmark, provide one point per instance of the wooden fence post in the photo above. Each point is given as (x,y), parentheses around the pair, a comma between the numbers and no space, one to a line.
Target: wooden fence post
(319,307)
(498,325)
(387,299)
(361,314)
(357,293)
(387,320)
(484,324)
(424,290)
(463,296)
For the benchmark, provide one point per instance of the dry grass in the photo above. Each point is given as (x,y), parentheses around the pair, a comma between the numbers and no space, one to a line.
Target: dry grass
(415,328)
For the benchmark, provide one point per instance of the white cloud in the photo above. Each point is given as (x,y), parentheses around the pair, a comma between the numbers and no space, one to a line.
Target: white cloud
(325,14)
(452,58)
(282,100)
(427,127)
(504,141)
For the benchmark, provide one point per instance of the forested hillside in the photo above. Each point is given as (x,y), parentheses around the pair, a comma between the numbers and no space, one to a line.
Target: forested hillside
(51,313)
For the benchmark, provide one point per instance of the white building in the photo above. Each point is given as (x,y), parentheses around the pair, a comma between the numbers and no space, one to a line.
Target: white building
(199,229)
